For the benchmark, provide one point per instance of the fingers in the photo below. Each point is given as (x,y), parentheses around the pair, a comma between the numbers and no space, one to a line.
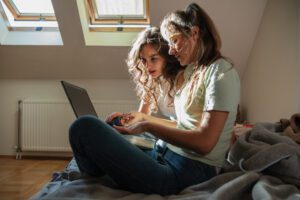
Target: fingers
(127,117)
(131,129)
(122,129)
(113,115)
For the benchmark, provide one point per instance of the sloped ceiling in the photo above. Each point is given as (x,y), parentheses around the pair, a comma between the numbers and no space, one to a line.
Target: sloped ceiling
(236,20)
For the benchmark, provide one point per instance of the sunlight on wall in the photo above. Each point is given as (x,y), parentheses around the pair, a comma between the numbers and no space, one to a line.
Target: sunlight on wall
(3,30)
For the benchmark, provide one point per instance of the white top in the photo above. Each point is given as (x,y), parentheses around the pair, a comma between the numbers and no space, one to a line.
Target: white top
(164,109)
(218,88)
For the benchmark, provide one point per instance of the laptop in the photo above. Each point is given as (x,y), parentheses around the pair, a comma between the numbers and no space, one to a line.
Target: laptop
(82,105)
(79,100)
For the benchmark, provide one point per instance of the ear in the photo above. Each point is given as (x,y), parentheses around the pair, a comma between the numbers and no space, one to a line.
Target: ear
(195,32)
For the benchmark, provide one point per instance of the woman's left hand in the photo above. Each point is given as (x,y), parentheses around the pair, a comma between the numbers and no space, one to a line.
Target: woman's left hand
(132,129)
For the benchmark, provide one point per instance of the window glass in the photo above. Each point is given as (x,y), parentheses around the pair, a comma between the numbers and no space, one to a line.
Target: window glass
(115,8)
(118,15)
(34,6)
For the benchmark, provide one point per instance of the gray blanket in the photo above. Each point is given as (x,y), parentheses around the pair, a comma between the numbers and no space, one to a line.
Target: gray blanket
(263,150)
(264,165)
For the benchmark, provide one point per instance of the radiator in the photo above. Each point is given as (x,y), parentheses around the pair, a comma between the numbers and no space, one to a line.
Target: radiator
(44,125)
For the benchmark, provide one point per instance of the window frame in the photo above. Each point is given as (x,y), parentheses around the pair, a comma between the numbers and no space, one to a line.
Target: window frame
(116,24)
(18,16)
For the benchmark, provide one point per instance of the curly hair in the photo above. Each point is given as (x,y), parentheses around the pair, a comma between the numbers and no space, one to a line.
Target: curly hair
(148,88)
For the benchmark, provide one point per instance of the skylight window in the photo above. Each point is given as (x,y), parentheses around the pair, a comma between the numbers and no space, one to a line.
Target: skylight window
(28,22)
(34,7)
(118,15)
(29,15)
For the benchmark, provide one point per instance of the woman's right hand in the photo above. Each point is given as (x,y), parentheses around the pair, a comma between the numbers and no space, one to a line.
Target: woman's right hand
(134,117)
(132,129)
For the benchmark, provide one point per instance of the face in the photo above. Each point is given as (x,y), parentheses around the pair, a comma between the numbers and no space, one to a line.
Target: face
(152,61)
(182,47)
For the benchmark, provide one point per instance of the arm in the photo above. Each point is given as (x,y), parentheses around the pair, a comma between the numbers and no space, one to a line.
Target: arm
(144,107)
(144,114)
(135,117)
(201,140)
(222,96)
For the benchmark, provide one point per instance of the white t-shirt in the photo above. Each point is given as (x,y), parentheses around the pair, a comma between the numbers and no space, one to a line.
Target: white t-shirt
(165,109)
(218,88)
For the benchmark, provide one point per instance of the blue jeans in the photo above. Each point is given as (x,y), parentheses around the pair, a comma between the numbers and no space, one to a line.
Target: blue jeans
(99,149)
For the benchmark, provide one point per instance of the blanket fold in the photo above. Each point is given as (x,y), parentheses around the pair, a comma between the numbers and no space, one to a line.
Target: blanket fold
(263,150)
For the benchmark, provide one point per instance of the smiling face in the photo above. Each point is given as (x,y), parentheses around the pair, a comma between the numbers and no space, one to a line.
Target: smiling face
(152,61)
(183,47)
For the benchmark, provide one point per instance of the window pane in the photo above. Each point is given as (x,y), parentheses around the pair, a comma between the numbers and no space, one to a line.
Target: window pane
(34,6)
(120,7)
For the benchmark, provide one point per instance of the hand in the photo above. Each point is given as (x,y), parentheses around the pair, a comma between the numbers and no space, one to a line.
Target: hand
(113,115)
(134,117)
(132,129)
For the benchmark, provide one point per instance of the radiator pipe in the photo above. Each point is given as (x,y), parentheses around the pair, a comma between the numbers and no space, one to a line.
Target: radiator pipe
(18,149)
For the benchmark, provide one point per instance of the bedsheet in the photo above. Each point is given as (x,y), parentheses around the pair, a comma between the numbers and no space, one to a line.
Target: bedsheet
(262,165)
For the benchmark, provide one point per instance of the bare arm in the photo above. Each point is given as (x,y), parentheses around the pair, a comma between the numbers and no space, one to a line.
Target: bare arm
(144,108)
(135,117)
(144,114)
(201,140)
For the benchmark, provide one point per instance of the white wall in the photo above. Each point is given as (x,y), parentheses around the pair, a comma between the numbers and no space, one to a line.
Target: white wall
(270,87)
(14,90)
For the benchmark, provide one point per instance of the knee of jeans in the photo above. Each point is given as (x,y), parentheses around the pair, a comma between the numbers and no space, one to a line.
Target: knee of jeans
(81,126)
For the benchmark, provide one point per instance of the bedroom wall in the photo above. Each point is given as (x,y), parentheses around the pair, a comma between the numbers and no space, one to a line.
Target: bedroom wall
(270,86)
(34,71)
(237,22)
(14,90)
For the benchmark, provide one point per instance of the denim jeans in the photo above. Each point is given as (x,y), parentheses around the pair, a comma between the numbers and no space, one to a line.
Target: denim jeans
(99,150)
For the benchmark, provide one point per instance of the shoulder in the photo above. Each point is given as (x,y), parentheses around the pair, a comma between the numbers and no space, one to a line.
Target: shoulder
(222,86)
(221,69)
(219,66)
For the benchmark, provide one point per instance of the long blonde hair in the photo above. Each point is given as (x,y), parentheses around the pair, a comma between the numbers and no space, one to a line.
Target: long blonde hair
(147,87)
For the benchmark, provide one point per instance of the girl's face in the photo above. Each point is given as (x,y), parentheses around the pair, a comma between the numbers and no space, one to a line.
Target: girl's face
(182,47)
(152,61)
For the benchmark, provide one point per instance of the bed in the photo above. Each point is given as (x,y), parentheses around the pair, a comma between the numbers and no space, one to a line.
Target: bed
(262,164)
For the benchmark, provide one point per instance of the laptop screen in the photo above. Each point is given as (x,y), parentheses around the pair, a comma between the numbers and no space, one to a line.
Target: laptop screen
(79,100)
